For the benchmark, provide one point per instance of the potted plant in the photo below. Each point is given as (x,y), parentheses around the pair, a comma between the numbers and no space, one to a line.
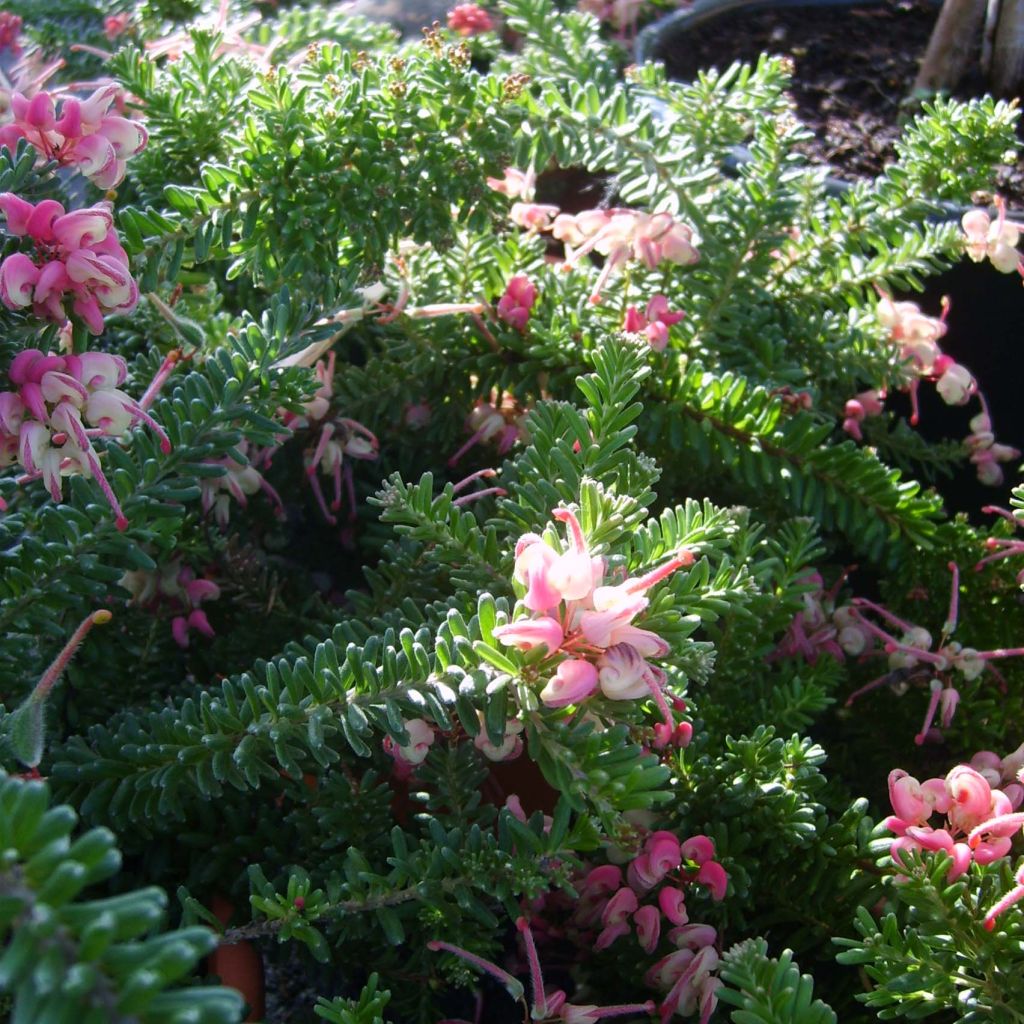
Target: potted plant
(529,602)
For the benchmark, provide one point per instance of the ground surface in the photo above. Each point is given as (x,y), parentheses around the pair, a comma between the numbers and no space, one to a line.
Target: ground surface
(853,69)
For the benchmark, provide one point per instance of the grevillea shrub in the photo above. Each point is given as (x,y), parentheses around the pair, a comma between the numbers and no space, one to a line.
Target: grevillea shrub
(464,542)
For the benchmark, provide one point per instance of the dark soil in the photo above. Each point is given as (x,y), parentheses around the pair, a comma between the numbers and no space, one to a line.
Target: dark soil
(854,69)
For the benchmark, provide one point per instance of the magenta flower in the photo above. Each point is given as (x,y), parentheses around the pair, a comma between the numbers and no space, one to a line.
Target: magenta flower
(648,927)
(83,134)
(76,254)
(615,918)
(975,812)
(515,305)
(673,904)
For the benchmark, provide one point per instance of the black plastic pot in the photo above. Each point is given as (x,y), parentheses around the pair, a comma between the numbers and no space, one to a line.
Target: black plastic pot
(986,307)
(673,27)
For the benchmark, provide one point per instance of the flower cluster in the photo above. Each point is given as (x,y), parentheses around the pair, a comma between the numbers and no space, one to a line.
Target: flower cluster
(979,823)
(10,30)
(618,234)
(917,337)
(515,305)
(653,323)
(589,623)
(994,240)
(501,420)
(82,134)
(239,480)
(866,629)
(469,20)
(339,438)
(1002,547)
(76,254)
(612,903)
(621,235)
(178,588)
(60,404)
(687,974)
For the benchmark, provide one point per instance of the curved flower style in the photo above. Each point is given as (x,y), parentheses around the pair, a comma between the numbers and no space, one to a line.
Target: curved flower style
(76,254)
(60,404)
(82,134)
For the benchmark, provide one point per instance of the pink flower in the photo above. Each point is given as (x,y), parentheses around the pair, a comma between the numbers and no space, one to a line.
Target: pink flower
(18,277)
(574,573)
(661,853)
(239,481)
(77,254)
(515,305)
(533,560)
(653,323)
(529,633)
(83,134)
(956,385)
(533,217)
(421,738)
(673,904)
(469,20)
(996,239)
(575,680)
(115,25)
(45,420)
(515,184)
(971,797)
(648,927)
(858,408)
(10,29)
(621,235)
